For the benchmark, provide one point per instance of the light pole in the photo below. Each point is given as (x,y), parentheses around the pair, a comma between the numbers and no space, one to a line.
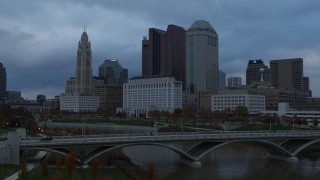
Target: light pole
(182,122)
(293,125)
(269,123)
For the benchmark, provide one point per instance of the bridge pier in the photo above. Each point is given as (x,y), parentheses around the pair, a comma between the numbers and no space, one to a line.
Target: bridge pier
(191,163)
(291,159)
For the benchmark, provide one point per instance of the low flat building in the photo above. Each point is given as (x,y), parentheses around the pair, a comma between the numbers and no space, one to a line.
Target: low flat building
(234,98)
(142,94)
(76,103)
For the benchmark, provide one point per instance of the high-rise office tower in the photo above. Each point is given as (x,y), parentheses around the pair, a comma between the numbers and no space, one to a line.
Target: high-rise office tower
(202,66)
(287,73)
(222,80)
(234,81)
(3,81)
(113,73)
(83,80)
(164,53)
(253,72)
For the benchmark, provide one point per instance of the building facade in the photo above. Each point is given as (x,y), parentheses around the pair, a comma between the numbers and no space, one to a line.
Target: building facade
(231,99)
(164,53)
(254,71)
(234,82)
(110,98)
(112,73)
(202,66)
(287,73)
(142,94)
(222,80)
(3,81)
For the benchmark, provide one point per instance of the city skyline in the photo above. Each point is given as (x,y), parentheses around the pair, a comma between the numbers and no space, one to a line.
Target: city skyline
(39,39)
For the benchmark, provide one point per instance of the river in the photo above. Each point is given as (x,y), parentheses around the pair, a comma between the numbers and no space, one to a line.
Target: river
(234,161)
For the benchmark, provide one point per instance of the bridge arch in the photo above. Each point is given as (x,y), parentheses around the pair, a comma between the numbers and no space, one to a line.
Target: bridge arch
(61,151)
(201,150)
(182,153)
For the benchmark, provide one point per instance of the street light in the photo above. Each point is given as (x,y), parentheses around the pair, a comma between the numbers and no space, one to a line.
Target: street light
(270,123)
(293,124)
(182,121)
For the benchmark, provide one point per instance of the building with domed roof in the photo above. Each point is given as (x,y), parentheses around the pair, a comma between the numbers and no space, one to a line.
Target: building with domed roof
(202,64)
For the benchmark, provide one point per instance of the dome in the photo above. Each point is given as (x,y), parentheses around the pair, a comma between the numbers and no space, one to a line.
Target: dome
(201,25)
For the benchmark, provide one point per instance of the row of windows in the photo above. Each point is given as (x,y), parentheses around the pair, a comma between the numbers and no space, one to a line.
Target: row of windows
(139,86)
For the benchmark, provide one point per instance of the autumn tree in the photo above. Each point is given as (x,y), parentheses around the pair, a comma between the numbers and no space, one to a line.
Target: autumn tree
(94,164)
(151,173)
(44,169)
(241,113)
(58,162)
(70,162)
(23,174)
(315,122)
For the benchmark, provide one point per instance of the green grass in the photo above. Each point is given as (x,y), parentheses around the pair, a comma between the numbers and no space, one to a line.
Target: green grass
(8,170)
(264,127)
(101,173)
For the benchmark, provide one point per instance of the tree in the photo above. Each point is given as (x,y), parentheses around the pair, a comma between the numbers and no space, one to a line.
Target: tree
(58,162)
(23,174)
(44,169)
(70,162)
(315,122)
(241,113)
(151,171)
(94,163)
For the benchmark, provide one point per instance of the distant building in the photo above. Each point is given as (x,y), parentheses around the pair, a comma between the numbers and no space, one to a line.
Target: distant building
(79,91)
(234,98)
(287,73)
(234,82)
(164,53)
(222,80)
(142,94)
(41,98)
(110,98)
(254,71)
(14,96)
(3,81)
(112,73)
(202,65)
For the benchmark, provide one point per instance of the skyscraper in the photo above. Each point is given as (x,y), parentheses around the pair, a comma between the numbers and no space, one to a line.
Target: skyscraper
(84,70)
(3,81)
(79,91)
(253,72)
(287,73)
(164,53)
(113,73)
(202,66)
(222,80)
(234,81)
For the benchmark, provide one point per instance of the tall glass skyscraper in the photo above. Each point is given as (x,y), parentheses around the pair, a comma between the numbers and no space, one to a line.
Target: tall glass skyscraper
(113,73)
(202,65)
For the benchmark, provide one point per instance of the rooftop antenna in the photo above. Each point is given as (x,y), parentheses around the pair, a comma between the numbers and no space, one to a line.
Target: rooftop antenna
(84,28)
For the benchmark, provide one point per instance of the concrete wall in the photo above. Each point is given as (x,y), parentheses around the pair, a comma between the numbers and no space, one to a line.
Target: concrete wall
(107,128)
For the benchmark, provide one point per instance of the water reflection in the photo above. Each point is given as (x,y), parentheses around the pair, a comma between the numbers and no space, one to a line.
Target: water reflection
(234,161)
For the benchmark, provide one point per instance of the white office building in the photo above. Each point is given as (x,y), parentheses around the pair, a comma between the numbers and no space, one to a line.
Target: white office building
(142,94)
(79,103)
(228,99)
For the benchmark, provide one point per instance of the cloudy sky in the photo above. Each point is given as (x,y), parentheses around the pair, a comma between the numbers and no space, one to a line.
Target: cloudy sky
(38,38)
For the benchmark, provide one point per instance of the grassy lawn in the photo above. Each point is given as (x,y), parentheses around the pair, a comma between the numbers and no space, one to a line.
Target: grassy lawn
(101,173)
(8,170)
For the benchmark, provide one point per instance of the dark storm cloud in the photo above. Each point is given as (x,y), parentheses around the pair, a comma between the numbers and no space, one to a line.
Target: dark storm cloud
(38,39)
